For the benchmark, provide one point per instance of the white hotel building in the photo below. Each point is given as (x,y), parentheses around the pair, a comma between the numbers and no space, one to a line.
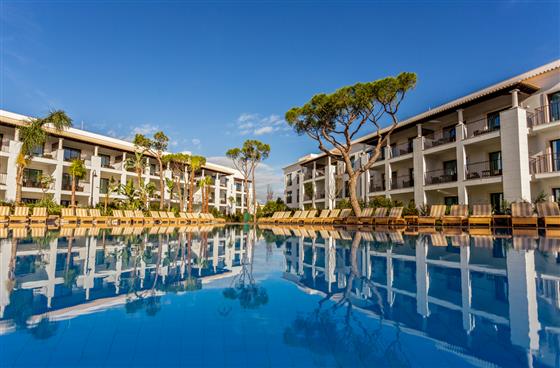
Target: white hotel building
(499,143)
(104,158)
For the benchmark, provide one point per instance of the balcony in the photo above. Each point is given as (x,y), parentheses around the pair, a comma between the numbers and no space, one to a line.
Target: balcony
(481,127)
(401,182)
(319,172)
(401,149)
(544,115)
(68,187)
(440,176)
(483,169)
(3,177)
(5,145)
(438,138)
(30,183)
(308,174)
(547,163)
(376,185)
(320,195)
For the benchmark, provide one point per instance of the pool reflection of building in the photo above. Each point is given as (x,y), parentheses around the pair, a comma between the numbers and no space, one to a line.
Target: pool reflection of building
(103,267)
(487,287)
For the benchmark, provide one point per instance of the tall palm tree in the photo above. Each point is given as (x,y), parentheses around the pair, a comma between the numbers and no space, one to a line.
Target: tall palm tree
(77,171)
(203,185)
(33,135)
(137,163)
(170,184)
(195,164)
(112,187)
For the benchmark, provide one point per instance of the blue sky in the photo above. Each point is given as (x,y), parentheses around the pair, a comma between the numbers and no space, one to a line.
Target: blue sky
(211,75)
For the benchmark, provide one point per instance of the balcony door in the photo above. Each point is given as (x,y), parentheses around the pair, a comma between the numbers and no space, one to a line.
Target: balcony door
(450,169)
(495,161)
(555,154)
(554,106)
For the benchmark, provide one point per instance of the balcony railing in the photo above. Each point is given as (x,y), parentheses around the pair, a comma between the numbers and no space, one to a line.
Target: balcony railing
(401,149)
(31,183)
(66,186)
(376,186)
(403,181)
(483,169)
(440,176)
(546,163)
(308,174)
(481,126)
(438,138)
(544,114)
(319,172)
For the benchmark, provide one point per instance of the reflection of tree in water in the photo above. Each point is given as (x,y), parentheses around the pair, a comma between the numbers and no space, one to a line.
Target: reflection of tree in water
(243,286)
(335,329)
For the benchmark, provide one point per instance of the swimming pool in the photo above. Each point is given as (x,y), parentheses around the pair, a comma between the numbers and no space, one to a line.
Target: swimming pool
(237,296)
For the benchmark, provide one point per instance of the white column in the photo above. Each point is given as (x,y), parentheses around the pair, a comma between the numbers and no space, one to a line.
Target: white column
(422,277)
(390,277)
(461,158)
(466,289)
(11,169)
(58,172)
(419,169)
(5,256)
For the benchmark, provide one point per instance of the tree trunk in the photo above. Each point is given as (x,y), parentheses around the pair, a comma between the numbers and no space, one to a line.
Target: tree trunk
(179,194)
(73,198)
(354,196)
(106,200)
(254,190)
(19,183)
(191,191)
(161,184)
(246,184)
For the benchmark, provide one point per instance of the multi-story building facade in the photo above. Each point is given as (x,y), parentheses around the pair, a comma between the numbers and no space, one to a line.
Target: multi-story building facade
(105,159)
(499,143)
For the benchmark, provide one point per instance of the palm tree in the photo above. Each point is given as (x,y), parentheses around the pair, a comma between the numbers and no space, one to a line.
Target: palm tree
(195,164)
(77,171)
(112,187)
(137,163)
(34,135)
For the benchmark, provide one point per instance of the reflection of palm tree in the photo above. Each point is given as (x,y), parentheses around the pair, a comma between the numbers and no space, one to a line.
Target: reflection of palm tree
(244,288)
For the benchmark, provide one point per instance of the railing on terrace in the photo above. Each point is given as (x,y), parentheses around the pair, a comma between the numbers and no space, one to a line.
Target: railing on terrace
(546,163)
(319,172)
(308,174)
(544,114)
(438,138)
(480,127)
(403,181)
(3,177)
(401,149)
(79,187)
(483,169)
(376,186)
(440,176)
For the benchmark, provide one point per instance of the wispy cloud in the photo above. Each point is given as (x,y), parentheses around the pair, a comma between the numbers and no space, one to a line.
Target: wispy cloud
(264,176)
(256,124)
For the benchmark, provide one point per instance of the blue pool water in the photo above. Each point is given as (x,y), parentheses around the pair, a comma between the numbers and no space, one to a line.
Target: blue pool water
(280,297)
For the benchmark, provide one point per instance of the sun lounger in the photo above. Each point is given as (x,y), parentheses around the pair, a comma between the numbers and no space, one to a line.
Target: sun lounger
(436,213)
(20,215)
(172,218)
(379,216)
(139,214)
(290,219)
(481,215)
(333,215)
(120,218)
(522,214)
(323,215)
(458,214)
(39,215)
(68,216)
(355,220)
(549,212)
(344,214)
(394,217)
(265,220)
(164,218)
(4,214)
(309,218)
(216,219)
(132,216)
(156,217)
(83,216)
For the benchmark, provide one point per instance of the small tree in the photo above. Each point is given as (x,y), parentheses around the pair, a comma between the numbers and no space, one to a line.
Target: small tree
(138,164)
(170,185)
(195,163)
(33,135)
(335,119)
(112,187)
(203,185)
(77,171)
(246,159)
(178,163)
(46,181)
(155,147)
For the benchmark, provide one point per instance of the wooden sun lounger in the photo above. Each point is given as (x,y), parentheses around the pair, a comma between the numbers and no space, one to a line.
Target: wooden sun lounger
(83,216)
(436,213)
(146,220)
(282,216)
(20,215)
(379,215)
(156,217)
(172,218)
(322,216)
(4,214)
(133,218)
(344,214)
(458,214)
(289,219)
(265,220)
(67,216)
(481,215)
(39,215)
(394,217)
(522,214)
(333,215)
(164,218)
(97,217)
(309,218)
(549,212)
(120,218)
(363,218)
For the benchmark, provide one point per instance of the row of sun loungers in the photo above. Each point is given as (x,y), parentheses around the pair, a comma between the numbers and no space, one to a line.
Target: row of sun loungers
(39,215)
(522,214)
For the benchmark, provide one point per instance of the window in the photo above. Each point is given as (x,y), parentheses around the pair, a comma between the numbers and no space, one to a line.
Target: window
(496,200)
(450,168)
(495,160)
(493,120)
(38,151)
(105,160)
(556,194)
(66,181)
(103,185)
(449,133)
(32,178)
(555,152)
(289,180)
(554,106)
(289,197)
(449,201)
(71,154)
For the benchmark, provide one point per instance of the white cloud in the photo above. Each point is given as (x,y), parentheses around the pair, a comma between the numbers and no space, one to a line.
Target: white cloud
(196,142)
(253,123)
(265,175)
